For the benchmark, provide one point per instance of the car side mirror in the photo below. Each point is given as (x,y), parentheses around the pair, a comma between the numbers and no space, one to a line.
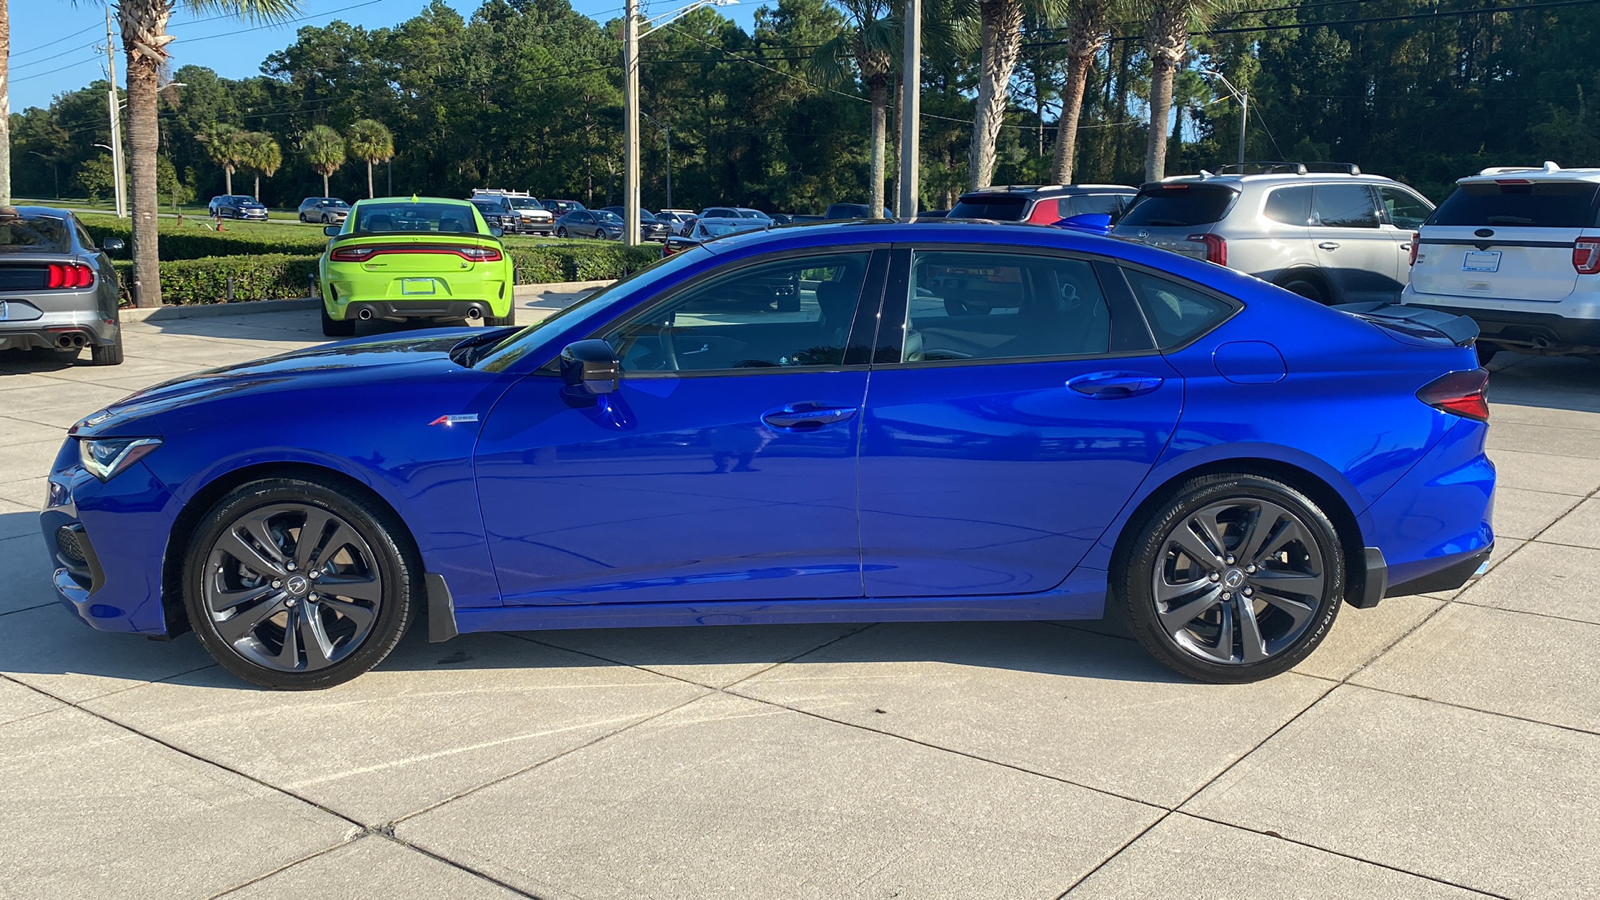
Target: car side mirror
(496,231)
(113,245)
(331,230)
(590,367)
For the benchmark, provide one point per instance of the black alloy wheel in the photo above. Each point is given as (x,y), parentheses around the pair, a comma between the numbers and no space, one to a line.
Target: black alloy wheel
(295,584)
(1236,578)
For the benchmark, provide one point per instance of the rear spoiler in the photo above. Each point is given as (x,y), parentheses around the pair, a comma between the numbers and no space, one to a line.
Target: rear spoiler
(1461,330)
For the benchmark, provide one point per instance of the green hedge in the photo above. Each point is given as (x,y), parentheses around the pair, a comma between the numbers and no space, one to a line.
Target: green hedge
(194,239)
(276,276)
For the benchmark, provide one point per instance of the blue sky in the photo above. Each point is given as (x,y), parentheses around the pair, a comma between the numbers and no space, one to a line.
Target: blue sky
(53,41)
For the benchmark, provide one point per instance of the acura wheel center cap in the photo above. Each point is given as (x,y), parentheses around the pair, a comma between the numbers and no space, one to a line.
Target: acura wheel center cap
(296,585)
(1233,579)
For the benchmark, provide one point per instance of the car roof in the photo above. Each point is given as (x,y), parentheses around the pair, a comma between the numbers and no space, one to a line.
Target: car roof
(450,200)
(53,211)
(1275,173)
(1048,189)
(1549,172)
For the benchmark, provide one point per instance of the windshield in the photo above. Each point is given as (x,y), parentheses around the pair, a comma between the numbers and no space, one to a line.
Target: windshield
(525,203)
(1538,205)
(514,347)
(35,235)
(336,204)
(1001,208)
(718,229)
(1179,206)
(383,218)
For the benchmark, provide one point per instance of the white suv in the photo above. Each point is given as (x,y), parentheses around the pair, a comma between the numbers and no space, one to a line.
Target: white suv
(1517,250)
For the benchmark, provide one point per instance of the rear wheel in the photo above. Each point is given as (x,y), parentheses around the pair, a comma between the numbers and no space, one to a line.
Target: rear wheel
(292,584)
(561,232)
(1236,578)
(509,318)
(1306,288)
(332,327)
(1486,352)
(108,355)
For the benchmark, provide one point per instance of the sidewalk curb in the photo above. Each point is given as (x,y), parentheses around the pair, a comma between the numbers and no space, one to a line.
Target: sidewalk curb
(242,307)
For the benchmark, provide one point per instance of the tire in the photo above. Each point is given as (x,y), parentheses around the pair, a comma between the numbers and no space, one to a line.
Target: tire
(1486,352)
(109,355)
(1293,597)
(332,327)
(292,615)
(1306,288)
(561,232)
(500,321)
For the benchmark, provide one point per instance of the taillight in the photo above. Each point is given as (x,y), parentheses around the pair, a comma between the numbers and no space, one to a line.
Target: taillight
(1416,244)
(353,254)
(70,275)
(1461,393)
(666,250)
(1586,255)
(1216,247)
(481,254)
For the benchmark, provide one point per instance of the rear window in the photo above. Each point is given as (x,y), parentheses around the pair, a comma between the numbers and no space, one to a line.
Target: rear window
(1179,206)
(37,235)
(410,217)
(999,208)
(1538,205)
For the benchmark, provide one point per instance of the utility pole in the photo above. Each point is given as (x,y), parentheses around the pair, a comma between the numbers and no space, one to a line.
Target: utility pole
(630,123)
(116,122)
(910,110)
(666,130)
(1244,120)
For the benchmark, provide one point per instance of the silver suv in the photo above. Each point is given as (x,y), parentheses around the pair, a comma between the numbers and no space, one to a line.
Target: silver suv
(1518,250)
(1322,230)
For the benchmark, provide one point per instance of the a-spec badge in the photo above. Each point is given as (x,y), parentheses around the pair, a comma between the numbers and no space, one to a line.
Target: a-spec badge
(457,419)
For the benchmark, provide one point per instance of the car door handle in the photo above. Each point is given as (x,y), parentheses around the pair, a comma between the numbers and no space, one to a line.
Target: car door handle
(1113,385)
(807,415)
(1328,245)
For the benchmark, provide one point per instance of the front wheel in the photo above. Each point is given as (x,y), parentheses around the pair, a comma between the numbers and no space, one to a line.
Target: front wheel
(295,584)
(561,232)
(1234,579)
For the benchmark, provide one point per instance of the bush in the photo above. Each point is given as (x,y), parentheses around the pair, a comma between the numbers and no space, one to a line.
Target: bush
(193,239)
(541,262)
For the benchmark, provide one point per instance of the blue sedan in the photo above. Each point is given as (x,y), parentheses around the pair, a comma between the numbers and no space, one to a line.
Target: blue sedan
(845,422)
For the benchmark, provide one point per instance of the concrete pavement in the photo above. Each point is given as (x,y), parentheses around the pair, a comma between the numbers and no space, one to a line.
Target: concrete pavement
(1436,747)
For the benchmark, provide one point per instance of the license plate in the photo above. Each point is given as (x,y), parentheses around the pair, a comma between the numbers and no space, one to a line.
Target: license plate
(1481,261)
(416,286)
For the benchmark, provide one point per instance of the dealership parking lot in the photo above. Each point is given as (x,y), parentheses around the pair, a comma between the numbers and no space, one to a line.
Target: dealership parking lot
(1438,746)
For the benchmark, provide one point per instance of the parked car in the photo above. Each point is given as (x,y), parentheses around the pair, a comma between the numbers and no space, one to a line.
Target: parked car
(1133,430)
(710,229)
(237,206)
(590,223)
(427,258)
(650,227)
(58,291)
(676,219)
(734,212)
(841,211)
(800,219)
(1322,230)
(533,218)
(559,208)
(497,211)
(323,210)
(1043,204)
(1518,250)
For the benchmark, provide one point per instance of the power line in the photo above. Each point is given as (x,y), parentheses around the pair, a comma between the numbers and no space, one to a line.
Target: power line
(69,65)
(54,41)
(51,59)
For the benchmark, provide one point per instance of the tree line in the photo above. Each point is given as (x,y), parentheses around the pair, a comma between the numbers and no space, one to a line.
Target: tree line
(800,110)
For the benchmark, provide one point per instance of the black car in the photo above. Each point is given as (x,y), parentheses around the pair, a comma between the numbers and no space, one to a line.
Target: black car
(1044,205)
(650,227)
(853,211)
(559,208)
(237,206)
(497,211)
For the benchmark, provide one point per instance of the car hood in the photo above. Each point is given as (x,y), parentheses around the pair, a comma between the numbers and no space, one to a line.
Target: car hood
(328,365)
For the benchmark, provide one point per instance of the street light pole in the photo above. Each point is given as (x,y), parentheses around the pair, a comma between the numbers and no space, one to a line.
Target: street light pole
(116,121)
(910,110)
(630,123)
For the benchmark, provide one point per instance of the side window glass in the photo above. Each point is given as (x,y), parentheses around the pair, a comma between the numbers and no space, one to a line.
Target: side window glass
(1344,206)
(83,236)
(1290,206)
(1402,209)
(1002,306)
(1093,204)
(794,313)
(1176,313)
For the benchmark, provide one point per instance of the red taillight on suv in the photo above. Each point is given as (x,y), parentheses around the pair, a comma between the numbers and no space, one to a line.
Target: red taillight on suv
(1461,393)
(1416,244)
(1586,256)
(70,275)
(1216,247)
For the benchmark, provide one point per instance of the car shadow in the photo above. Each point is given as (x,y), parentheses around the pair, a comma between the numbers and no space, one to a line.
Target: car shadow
(1571,383)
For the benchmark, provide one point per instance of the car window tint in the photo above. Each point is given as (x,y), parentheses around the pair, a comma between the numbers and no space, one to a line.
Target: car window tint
(1180,206)
(967,305)
(1403,209)
(1092,205)
(44,234)
(1176,313)
(787,314)
(1290,206)
(1344,206)
(378,218)
(1542,204)
(1001,208)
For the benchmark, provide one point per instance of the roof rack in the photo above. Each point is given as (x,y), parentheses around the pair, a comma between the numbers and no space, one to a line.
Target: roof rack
(1548,167)
(1279,167)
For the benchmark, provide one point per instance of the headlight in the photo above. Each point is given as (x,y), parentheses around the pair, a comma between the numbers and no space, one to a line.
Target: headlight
(106,457)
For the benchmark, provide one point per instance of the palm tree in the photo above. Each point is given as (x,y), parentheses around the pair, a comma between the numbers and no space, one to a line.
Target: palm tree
(225,145)
(5,104)
(324,150)
(1087,31)
(369,140)
(869,42)
(1000,37)
(261,156)
(1166,41)
(145,39)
